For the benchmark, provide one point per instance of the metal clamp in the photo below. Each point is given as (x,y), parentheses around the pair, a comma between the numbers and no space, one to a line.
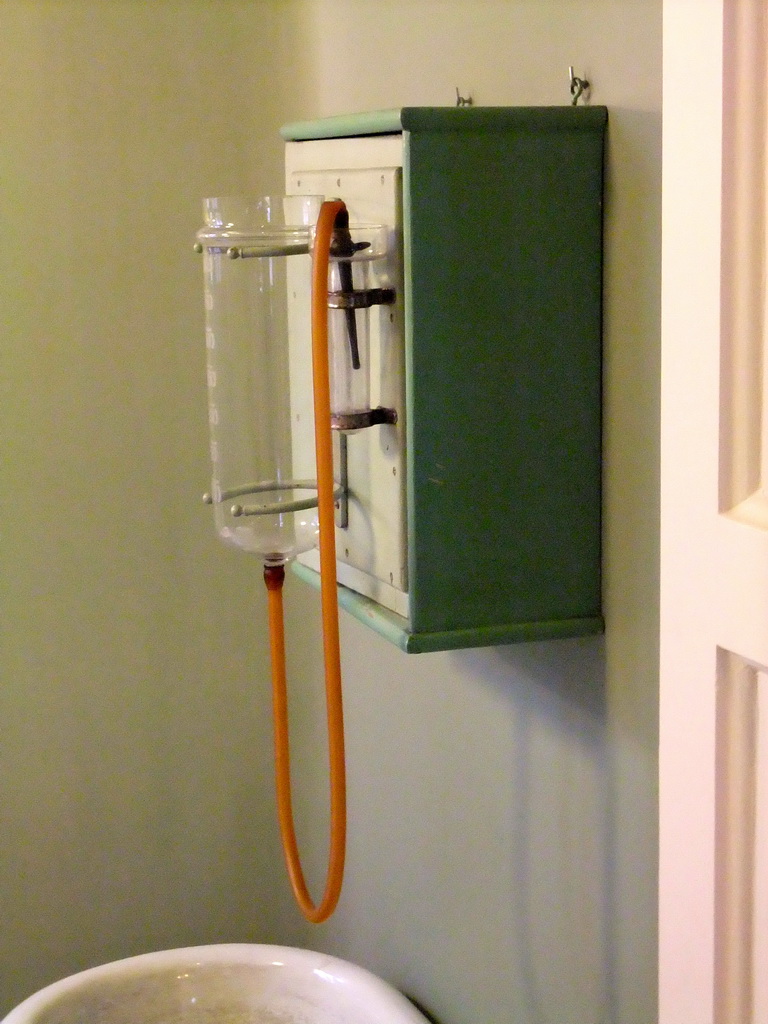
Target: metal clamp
(361,299)
(366,418)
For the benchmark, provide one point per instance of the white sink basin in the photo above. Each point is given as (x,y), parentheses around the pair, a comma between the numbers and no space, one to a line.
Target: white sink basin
(226,984)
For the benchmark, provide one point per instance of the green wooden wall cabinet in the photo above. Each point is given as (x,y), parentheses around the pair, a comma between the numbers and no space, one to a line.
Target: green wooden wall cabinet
(502,249)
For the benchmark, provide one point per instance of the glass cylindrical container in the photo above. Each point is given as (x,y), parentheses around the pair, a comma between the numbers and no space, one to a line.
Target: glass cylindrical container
(247,244)
(349,349)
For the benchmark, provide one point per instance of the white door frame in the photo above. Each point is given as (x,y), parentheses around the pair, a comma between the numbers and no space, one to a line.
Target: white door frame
(713,879)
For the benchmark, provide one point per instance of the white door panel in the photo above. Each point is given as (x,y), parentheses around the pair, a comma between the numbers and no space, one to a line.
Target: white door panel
(713,883)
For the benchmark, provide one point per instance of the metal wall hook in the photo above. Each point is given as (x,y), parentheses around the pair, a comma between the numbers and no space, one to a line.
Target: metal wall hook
(463,101)
(579,87)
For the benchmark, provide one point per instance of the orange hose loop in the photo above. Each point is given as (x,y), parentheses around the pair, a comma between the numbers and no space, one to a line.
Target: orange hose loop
(273,576)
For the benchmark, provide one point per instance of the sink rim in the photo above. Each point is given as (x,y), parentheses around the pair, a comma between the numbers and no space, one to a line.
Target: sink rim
(385,998)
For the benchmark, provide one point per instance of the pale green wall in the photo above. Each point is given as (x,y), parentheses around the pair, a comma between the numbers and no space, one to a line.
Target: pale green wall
(502,853)
(504,801)
(135,750)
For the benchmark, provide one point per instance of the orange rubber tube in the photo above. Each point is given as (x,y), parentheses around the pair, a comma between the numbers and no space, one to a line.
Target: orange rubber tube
(274,575)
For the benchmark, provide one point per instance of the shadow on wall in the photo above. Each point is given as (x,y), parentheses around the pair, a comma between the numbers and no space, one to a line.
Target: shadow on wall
(424,1011)
(483,835)
(563,835)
